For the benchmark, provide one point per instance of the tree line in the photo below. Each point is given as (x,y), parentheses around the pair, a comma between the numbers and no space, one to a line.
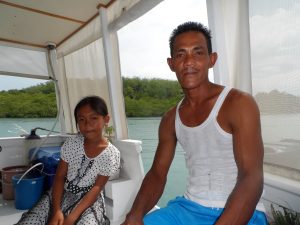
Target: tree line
(143,98)
(276,102)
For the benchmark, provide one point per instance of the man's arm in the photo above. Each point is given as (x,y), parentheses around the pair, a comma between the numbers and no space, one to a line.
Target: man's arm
(244,120)
(154,182)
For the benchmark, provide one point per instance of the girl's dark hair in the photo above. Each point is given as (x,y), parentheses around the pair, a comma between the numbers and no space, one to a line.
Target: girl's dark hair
(187,27)
(95,102)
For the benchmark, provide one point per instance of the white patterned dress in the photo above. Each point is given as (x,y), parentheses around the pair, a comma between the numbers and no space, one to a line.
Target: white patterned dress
(81,176)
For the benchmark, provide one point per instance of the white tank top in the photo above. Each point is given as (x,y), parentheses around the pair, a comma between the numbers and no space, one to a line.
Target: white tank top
(208,151)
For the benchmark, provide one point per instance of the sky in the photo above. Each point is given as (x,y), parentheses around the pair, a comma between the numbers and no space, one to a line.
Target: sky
(275,34)
(148,53)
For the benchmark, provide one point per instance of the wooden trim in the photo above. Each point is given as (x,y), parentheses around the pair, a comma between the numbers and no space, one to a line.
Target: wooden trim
(107,5)
(22,43)
(40,12)
(78,29)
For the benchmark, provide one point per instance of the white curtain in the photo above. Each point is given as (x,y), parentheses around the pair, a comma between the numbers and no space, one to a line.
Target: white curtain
(84,73)
(229,22)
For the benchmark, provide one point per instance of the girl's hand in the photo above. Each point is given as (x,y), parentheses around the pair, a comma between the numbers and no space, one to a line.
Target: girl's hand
(57,218)
(69,220)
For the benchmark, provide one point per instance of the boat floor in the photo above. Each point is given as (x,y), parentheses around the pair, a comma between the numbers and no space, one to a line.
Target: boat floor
(8,213)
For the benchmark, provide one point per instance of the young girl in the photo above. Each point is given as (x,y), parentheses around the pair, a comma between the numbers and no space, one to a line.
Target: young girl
(87,162)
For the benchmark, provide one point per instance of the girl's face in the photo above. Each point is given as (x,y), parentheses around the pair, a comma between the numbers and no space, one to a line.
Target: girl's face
(90,123)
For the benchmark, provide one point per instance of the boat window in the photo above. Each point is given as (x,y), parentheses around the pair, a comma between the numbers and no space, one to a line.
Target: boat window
(26,103)
(274,30)
(27,97)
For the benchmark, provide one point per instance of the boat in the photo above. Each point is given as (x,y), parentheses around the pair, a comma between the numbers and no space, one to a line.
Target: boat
(76,47)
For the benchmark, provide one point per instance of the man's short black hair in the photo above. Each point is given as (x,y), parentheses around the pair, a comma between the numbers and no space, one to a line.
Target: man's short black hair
(187,27)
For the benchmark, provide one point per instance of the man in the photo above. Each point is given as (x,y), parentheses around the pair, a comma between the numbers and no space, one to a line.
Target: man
(219,131)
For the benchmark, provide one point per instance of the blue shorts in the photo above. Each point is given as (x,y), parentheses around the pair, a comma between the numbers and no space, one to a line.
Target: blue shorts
(182,211)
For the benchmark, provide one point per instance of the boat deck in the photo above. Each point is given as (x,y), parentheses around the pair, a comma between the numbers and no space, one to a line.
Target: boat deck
(8,213)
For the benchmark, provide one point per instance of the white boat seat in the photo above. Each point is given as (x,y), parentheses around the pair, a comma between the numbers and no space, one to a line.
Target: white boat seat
(120,193)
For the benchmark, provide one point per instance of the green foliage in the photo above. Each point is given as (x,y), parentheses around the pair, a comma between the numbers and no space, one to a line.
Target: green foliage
(108,132)
(150,97)
(285,217)
(33,102)
(143,98)
(276,102)
(136,88)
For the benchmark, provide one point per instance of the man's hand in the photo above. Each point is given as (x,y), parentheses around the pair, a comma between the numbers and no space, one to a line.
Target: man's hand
(131,220)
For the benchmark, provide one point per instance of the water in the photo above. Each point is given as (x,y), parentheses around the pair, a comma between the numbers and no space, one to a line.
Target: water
(275,128)
(145,129)
(281,136)
(15,127)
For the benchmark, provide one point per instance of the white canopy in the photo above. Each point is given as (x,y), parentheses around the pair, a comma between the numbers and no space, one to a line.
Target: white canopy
(36,23)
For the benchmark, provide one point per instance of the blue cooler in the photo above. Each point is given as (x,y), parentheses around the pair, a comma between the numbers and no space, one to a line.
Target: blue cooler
(50,157)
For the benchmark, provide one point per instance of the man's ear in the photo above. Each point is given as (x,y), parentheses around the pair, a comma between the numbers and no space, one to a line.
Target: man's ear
(213,59)
(170,63)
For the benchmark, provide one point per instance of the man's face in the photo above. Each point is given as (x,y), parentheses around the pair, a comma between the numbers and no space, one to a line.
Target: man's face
(191,60)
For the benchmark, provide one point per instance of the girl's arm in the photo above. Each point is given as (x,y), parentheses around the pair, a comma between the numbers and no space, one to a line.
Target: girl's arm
(89,198)
(57,216)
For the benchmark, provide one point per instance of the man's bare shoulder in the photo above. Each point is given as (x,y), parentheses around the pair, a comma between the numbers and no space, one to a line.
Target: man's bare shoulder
(239,106)
(167,124)
(169,116)
(240,100)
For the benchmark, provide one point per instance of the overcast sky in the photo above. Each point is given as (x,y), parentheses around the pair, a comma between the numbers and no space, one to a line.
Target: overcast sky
(147,54)
(275,35)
